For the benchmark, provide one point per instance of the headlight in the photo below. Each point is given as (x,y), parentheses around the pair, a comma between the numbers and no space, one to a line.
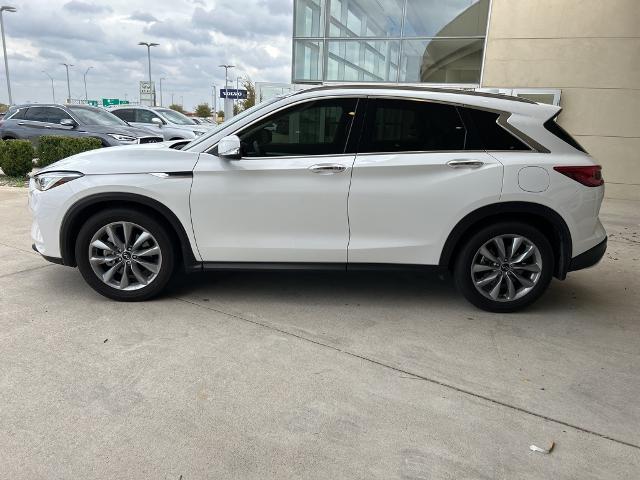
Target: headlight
(123,138)
(49,180)
(197,133)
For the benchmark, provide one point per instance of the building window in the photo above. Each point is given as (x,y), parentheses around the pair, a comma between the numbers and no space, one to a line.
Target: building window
(425,41)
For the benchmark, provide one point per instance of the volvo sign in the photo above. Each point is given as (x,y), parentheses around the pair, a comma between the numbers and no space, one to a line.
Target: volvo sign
(233,93)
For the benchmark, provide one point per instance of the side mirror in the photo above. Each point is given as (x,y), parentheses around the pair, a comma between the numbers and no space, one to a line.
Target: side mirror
(157,121)
(68,122)
(229,148)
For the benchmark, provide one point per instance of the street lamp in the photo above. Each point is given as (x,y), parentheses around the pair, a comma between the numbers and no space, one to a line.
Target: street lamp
(161,78)
(53,91)
(67,65)
(6,8)
(86,97)
(149,45)
(227,114)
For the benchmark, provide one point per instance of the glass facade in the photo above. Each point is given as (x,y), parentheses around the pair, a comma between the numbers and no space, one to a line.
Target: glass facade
(412,41)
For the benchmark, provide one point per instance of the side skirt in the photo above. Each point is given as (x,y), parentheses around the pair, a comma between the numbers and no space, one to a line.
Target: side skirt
(290,266)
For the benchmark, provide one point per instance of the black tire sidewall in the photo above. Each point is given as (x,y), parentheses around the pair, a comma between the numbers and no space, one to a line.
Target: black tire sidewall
(462,268)
(105,217)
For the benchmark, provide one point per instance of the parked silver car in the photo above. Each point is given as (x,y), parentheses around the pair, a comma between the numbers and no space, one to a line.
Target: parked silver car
(170,124)
(30,122)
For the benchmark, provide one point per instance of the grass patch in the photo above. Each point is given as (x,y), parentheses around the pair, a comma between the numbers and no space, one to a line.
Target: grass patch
(6,181)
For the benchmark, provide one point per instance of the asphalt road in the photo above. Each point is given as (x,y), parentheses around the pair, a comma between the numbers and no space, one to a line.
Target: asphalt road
(317,375)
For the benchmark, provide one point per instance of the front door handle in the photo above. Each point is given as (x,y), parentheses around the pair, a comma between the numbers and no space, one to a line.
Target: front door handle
(465,163)
(327,168)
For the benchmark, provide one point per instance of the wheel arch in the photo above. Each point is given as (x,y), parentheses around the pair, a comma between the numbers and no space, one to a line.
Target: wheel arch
(548,221)
(84,208)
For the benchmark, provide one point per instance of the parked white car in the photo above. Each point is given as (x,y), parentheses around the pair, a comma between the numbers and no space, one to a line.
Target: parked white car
(172,125)
(348,177)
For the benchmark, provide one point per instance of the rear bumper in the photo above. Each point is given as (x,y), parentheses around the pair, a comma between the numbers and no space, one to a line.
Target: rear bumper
(589,258)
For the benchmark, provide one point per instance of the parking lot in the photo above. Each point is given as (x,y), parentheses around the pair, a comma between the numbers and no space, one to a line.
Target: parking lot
(317,375)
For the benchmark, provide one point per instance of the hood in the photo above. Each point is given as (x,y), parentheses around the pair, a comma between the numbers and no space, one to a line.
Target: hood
(146,158)
(120,130)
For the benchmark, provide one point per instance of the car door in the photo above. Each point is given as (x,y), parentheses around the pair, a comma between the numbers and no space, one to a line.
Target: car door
(285,200)
(55,115)
(418,171)
(33,124)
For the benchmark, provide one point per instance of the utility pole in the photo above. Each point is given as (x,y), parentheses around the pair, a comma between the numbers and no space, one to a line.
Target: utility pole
(3,9)
(86,97)
(214,101)
(53,91)
(67,65)
(149,45)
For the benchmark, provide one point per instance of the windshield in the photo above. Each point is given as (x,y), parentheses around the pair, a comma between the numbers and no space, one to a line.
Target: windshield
(96,116)
(175,117)
(235,119)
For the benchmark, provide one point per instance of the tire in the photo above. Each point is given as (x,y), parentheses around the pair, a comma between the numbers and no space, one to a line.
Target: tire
(149,260)
(510,285)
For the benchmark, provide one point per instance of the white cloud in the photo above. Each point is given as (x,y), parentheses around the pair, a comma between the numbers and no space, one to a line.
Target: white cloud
(195,37)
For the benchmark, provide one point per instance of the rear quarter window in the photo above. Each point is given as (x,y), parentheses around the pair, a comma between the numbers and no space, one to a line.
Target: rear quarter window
(553,127)
(486,134)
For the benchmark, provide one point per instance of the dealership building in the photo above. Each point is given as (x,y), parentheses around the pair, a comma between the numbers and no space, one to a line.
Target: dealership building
(583,55)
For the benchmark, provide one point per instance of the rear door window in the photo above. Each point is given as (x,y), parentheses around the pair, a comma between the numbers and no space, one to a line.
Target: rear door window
(37,114)
(411,126)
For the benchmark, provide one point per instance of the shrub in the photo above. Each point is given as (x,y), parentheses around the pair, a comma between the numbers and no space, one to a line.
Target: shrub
(16,157)
(52,148)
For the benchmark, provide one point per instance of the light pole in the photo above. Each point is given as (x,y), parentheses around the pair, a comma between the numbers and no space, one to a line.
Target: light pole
(228,110)
(161,78)
(86,97)
(67,65)
(182,101)
(6,8)
(149,45)
(53,91)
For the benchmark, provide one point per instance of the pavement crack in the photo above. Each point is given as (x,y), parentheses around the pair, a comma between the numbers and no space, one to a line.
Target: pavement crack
(25,270)
(413,375)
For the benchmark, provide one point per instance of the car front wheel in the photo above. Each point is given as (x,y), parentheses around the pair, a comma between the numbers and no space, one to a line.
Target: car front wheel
(504,267)
(125,255)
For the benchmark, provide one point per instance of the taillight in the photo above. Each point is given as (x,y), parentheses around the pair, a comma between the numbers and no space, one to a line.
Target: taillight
(590,176)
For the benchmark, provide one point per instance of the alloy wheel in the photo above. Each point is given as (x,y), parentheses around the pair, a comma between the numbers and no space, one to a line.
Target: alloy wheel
(125,256)
(506,268)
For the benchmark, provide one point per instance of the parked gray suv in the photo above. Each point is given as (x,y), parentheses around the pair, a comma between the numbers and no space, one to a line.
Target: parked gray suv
(170,124)
(30,122)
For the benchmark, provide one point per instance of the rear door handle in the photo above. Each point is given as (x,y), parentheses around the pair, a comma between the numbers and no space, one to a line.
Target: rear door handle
(327,168)
(465,163)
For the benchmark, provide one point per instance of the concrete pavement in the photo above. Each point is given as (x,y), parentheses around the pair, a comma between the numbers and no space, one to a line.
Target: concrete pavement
(307,375)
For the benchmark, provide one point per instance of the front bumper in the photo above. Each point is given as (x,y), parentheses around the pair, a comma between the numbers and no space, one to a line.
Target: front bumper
(56,260)
(589,258)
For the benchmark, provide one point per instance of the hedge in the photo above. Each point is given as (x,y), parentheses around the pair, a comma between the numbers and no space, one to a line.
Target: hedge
(52,148)
(16,157)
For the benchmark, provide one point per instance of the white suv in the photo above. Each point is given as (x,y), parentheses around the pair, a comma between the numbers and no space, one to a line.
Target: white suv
(346,177)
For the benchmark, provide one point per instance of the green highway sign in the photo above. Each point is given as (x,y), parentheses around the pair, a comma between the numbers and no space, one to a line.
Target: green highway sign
(93,103)
(108,102)
(124,102)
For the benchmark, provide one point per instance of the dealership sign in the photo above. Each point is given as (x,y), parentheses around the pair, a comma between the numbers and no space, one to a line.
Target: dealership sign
(233,93)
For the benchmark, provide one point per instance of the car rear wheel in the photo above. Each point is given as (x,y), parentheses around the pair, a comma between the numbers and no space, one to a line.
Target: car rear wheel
(125,255)
(504,267)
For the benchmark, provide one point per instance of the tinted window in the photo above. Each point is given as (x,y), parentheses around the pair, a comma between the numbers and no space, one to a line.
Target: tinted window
(562,134)
(486,134)
(313,128)
(144,116)
(19,115)
(36,114)
(411,126)
(95,116)
(126,114)
(55,115)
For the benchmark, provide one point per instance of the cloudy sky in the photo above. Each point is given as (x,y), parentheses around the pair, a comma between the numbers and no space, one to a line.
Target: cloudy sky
(195,37)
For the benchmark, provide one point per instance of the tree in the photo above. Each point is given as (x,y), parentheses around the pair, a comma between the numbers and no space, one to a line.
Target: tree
(3,107)
(221,115)
(203,110)
(250,87)
(176,107)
